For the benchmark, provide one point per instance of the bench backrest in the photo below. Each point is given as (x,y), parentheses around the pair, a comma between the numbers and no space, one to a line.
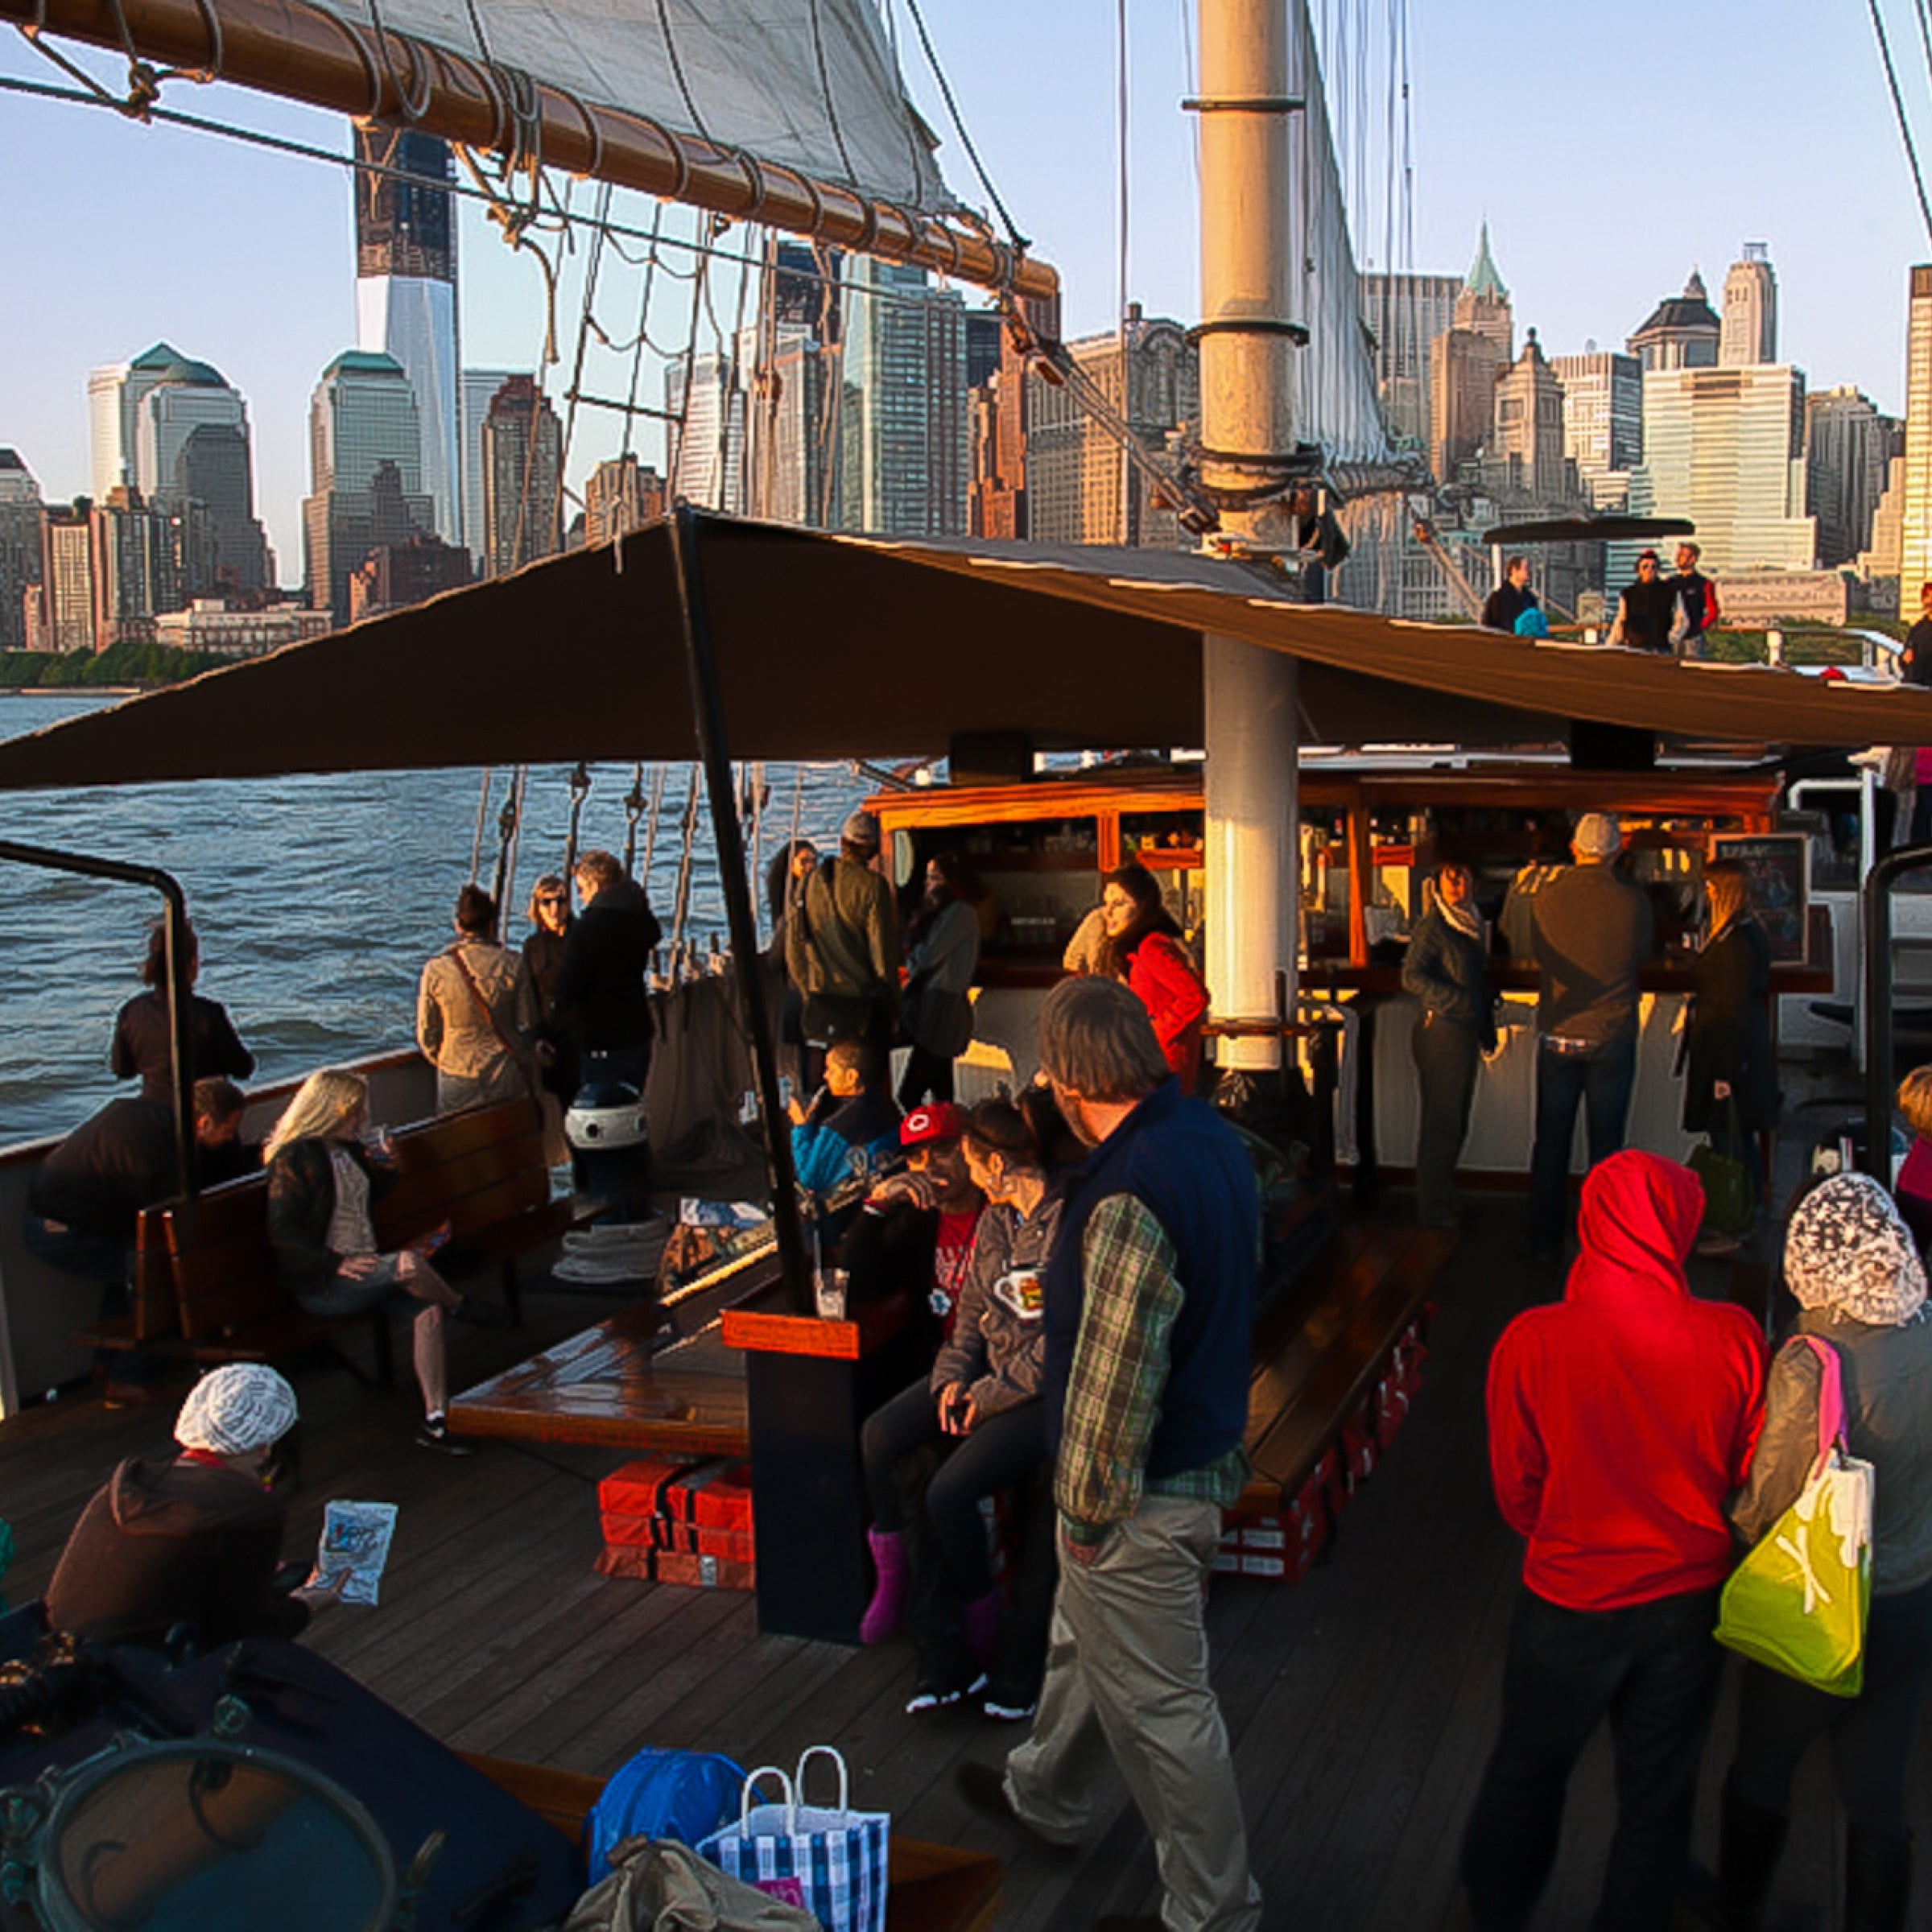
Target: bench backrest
(473,1170)
(224,1269)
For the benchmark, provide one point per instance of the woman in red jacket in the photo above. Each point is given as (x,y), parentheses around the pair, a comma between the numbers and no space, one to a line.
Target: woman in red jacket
(1143,947)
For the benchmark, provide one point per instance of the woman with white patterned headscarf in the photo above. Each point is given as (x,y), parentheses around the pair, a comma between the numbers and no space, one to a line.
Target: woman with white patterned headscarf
(1855,1272)
(194,1541)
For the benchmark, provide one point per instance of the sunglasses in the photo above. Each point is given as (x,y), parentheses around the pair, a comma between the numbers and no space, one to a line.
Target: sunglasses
(552,898)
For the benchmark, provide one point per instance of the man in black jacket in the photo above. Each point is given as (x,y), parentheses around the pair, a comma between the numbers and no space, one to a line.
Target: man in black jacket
(602,985)
(1510,598)
(1647,611)
(1915,661)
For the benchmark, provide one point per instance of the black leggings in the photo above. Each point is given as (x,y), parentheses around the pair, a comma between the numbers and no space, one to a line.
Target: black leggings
(925,1073)
(1004,1450)
(1872,1734)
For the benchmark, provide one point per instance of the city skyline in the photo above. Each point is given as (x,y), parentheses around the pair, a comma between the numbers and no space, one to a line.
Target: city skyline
(1585,259)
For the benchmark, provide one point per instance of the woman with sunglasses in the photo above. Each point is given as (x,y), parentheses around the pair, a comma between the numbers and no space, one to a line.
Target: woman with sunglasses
(550,916)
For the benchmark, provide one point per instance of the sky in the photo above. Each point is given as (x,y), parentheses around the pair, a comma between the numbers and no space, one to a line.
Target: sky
(1610,152)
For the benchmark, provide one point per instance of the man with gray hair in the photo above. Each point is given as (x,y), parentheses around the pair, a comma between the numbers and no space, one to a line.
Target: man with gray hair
(1593,930)
(1148,1303)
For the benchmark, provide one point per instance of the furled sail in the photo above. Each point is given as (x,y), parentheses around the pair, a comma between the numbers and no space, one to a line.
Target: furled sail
(1337,405)
(811,85)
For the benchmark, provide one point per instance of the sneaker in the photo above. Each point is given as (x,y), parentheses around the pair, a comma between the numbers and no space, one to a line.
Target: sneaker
(1004,1710)
(928,1698)
(433,1433)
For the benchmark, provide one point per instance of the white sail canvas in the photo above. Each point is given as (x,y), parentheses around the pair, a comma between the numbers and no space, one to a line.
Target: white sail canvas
(810,84)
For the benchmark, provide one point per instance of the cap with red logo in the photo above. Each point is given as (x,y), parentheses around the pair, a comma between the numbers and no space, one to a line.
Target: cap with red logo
(941,1121)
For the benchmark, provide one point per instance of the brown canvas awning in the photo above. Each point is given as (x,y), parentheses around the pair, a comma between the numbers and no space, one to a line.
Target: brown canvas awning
(834,646)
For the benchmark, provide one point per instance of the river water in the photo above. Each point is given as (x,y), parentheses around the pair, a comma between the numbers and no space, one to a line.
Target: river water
(316,901)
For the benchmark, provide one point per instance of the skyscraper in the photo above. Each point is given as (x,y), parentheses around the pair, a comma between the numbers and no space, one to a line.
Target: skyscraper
(176,431)
(67,580)
(903,408)
(620,496)
(522,477)
(1482,303)
(1405,314)
(792,442)
(1526,442)
(1464,362)
(406,293)
(478,385)
(21,513)
(365,472)
(1079,489)
(1603,421)
(1680,333)
(985,331)
(1726,448)
(1849,447)
(1748,332)
(706,400)
(1915,534)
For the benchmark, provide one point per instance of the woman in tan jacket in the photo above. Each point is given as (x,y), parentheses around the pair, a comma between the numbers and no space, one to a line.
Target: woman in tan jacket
(475,1014)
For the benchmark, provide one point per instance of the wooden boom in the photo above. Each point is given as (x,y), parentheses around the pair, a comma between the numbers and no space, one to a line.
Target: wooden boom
(284,46)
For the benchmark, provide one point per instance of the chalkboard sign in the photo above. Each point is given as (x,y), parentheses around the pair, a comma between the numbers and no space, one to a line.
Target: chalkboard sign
(1777,863)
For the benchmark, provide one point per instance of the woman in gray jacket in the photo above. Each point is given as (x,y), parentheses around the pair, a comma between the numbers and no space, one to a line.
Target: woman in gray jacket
(980,1408)
(1856,1274)
(942,955)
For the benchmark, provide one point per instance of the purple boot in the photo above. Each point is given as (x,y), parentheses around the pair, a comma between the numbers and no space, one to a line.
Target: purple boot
(979,1624)
(885,1614)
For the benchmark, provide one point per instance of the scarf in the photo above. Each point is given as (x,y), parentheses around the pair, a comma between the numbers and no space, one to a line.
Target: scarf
(1847,1252)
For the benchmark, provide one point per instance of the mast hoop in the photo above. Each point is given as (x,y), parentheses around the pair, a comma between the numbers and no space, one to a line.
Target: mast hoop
(1297,333)
(1245,104)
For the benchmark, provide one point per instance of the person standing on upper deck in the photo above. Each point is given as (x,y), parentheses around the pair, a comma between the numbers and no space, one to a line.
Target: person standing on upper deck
(1447,968)
(1148,1308)
(1593,930)
(477,1013)
(602,987)
(144,1040)
(842,948)
(1697,606)
(1144,948)
(1510,598)
(1647,610)
(1619,1420)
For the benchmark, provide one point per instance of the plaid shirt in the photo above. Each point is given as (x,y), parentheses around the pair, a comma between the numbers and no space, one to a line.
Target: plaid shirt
(1119,1372)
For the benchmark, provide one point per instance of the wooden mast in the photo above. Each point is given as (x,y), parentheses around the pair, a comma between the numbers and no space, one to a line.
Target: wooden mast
(286,47)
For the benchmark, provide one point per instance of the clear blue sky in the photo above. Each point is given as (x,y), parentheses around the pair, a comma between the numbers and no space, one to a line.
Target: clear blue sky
(1611,150)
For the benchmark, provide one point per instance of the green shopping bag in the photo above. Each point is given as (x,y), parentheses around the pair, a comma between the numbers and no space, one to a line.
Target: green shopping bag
(1798,1603)
(1730,1199)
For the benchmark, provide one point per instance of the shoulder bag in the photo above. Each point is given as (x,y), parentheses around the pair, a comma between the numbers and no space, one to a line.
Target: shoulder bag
(1799,1601)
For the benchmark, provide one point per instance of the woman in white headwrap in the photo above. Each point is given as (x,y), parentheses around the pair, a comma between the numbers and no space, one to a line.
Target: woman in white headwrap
(1852,1265)
(195,1540)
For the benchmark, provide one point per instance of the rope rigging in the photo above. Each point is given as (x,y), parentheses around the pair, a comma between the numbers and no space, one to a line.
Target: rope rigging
(1898,110)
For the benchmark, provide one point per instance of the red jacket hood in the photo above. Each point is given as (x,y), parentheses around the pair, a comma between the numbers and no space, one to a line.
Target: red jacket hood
(1639,1218)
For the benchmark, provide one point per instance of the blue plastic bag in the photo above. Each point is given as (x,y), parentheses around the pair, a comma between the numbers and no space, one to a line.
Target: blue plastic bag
(686,1795)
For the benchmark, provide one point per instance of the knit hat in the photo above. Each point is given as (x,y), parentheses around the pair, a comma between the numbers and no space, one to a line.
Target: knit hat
(860,830)
(1846,1251)
(940,1122)
(1597,836)
(241,1407)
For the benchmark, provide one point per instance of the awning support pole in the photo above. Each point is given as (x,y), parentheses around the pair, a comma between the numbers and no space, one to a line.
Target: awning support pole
(1252,708)
(707,713)
(175,928)
(1874,925)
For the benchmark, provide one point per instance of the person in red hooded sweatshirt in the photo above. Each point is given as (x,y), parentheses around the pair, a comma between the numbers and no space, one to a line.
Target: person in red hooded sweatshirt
(1620,1420)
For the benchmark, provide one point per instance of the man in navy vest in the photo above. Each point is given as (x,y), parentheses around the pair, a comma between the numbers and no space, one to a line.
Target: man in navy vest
(1150,1297)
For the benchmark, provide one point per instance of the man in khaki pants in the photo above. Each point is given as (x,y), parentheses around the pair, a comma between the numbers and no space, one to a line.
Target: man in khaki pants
(1148,1307)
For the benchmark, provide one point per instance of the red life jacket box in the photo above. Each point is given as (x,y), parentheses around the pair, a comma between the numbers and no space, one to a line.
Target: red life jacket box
(654,1508)
(638,1489)
(625,1561)
(704,1572)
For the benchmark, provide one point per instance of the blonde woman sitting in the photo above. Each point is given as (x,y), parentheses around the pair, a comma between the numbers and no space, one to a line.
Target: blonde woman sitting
(323,1176)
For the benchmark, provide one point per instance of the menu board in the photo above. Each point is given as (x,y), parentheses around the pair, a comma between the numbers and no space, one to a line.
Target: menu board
(1776,861)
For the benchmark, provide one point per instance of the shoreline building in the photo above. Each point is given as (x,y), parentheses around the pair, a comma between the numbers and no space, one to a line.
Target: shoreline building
(1850,446)
(405,294)
(1681,332)
(1464,363)
(22,513)
(1603,422)
(902,419)
(61,618)
(705,438)
(474,392)
(1405,314)
(1915,533)
(1748,332)
(1080,487)
(621,495)
(365,472)
(522,478)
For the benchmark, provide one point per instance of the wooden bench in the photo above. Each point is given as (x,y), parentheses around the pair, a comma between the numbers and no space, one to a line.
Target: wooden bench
(932,1888)
(482,1171)
(1321,1346)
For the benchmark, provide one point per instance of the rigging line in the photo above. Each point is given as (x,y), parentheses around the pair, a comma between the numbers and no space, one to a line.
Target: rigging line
(677,69)
(475,843)
(637,359)
(952,108)
(591,268)
(1898,107)
(1925,30)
